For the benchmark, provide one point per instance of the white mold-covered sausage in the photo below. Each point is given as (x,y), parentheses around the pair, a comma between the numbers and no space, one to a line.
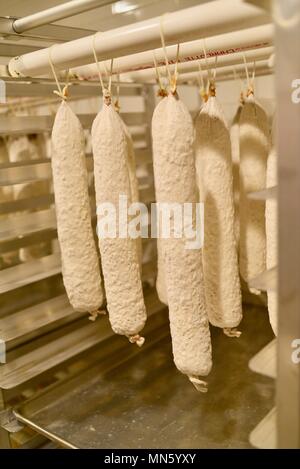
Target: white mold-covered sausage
(134,187)
(119,256)
(175,182)
(271,228)
(80,263)
(161,286)
(254,150)
(23,148)
(214,173)
(235,152)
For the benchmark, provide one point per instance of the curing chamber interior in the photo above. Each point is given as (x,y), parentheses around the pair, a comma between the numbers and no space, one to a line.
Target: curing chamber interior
(147,339)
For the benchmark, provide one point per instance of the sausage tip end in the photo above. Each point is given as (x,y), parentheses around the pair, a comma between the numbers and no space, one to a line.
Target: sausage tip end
(232,332)
(200,385)
(94,314)
(137,339)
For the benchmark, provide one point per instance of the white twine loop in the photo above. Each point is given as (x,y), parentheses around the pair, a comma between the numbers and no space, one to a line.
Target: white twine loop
(61,92)
(162,38)
(162,89)
(250,81)
(201,83)
(171,78)
(254,291)
(94,314)
(211,76)
(271,61)
(137,339)
(174,78)
(238,79)
(232,332)
(199,384)
(106,90)
(117,100)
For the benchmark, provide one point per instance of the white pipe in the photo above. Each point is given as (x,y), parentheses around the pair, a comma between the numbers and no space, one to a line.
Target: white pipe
(224,44)
(261,67)
(147,76)
(201,21)
(56,13)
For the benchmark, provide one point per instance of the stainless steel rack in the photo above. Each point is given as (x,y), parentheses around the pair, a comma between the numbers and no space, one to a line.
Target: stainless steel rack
(45,340)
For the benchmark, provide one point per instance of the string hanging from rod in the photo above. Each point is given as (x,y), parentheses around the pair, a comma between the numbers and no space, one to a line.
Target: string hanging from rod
(106,90)
(172,78)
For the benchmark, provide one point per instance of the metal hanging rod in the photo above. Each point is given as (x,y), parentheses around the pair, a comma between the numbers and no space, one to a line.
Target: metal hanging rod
(235,59)
(221,45)
(201,21)
(39,87)
(226,73)
(56,13)
(41,36)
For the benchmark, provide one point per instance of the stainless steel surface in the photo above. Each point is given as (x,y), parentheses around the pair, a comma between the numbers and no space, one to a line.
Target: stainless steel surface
(9,422)
(38,361)
(28,323)
(31,171)
(28,203)
(59,12)
(26,172)
(9,50)
(37,442)
(11,125)
(44,267)
(36,237)
(266,194)
(265,361)
(264,436)
(44,87)
(144,402)
(22,225)
(29,272)
(287,33)
(27,366)
(5,442)
(42,431)
(146,195)
(266,281)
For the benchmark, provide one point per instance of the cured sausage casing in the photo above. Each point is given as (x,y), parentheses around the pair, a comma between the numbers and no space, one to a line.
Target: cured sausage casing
(80,263)
(254,151)
(214,171)
(119,256)
(175,182)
